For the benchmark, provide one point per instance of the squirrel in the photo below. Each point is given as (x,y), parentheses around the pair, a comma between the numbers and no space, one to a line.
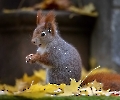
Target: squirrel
(60,59)
(109,80)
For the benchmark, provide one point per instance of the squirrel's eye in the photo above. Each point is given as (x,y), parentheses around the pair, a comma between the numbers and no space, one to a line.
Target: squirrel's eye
(49,30)
(43,34)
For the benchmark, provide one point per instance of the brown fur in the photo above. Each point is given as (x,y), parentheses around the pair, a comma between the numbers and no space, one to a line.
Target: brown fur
(39,58)
(39,16)
(50,21)
(43,59)
(50,17)
(110,80)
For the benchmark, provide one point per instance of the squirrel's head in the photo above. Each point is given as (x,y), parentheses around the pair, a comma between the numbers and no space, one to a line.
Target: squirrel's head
(45,30)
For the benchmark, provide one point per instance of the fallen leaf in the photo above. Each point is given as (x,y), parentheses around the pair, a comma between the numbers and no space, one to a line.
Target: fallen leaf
(70,89)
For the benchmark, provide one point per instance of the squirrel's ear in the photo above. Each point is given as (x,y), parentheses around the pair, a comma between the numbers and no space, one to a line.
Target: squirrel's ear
(39,17)
(50,17)
(50,21)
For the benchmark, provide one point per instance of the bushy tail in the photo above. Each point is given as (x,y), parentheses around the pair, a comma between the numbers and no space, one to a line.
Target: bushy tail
(110,80)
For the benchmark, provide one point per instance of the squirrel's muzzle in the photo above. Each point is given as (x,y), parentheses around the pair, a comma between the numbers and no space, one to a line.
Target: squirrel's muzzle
(33,41)
(36,42)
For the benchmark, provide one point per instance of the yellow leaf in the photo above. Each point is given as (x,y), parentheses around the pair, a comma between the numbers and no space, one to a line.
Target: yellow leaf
(32,94)
(54,88)
(41,74)
(7,89)
(70,89)
(38,90)
(29,79)
(26,81)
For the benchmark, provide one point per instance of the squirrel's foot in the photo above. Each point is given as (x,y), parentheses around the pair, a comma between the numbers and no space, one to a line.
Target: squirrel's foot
(31,58)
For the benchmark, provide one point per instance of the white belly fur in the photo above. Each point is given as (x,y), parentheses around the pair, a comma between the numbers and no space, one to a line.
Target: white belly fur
(41,50)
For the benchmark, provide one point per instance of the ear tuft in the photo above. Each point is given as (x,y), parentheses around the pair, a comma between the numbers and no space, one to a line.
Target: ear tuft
(50,17)
(50,22)
(39,17)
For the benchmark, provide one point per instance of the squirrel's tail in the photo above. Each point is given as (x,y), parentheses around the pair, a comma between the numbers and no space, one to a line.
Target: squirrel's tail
(110,80)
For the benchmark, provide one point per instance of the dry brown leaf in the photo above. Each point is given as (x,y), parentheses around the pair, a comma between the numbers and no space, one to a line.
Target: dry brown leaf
(88,10)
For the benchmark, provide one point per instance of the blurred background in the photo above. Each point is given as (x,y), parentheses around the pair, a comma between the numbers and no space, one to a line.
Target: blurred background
(92,26)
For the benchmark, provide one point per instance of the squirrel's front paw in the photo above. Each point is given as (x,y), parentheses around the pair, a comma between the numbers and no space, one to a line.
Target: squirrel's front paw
(30,58)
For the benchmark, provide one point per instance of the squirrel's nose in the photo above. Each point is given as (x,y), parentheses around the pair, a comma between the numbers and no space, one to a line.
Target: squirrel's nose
(33,41)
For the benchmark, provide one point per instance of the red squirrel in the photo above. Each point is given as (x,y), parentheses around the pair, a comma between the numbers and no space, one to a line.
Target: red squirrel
(110,80)
(61,60)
